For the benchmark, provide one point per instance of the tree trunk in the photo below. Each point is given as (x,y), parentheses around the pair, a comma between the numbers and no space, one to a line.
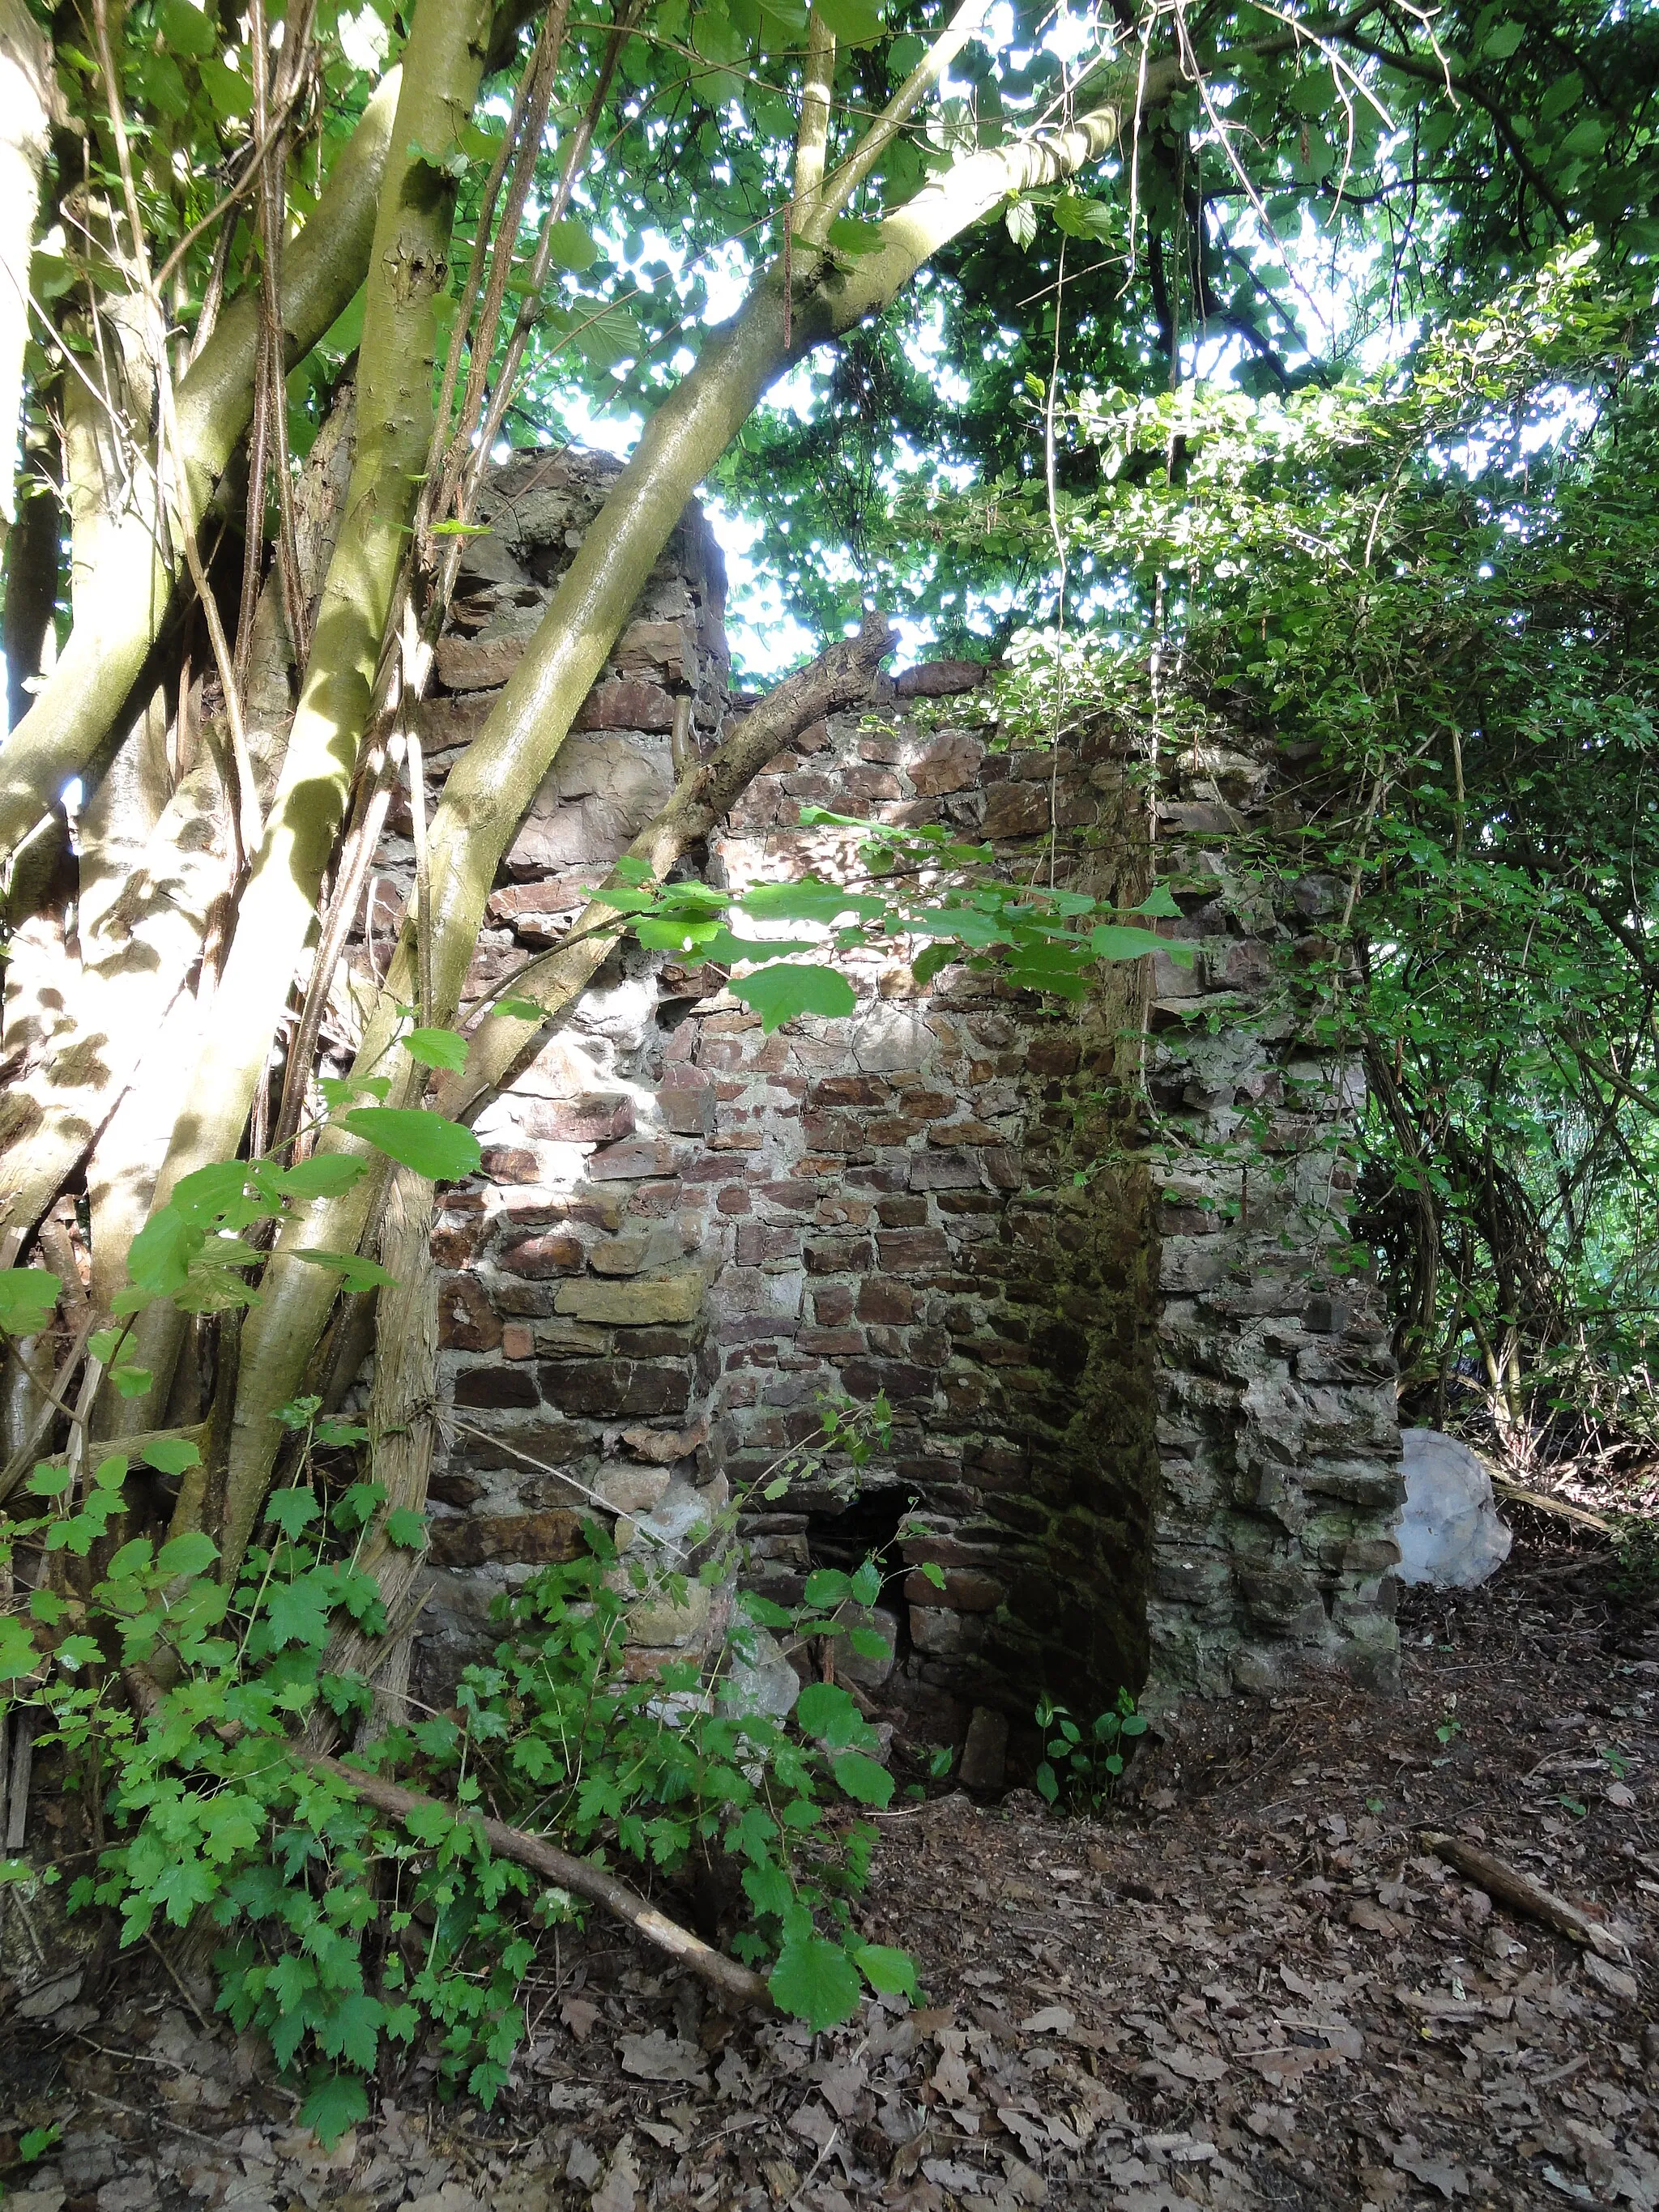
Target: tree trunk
(65,728)
(442,65)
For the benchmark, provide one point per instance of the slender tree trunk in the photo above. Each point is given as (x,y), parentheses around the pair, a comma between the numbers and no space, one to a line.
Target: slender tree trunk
(28,95)
(442,65)
(65,728)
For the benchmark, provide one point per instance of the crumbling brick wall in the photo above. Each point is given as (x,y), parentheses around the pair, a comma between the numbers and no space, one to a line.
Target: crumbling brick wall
(1138,1421)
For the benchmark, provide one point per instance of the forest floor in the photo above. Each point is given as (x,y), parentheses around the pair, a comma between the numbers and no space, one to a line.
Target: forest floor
(1249,1985)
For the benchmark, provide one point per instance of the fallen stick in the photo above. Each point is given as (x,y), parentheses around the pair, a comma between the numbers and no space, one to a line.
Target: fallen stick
(726,1975)
(1553,1509)
(1509,1885)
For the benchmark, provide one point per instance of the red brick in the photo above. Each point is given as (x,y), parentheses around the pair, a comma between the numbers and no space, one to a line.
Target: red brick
(852,1091)
(733,1200)
(597,1117)
(524,1539)
(466,1320)
(882,1301)
(495,1386)
(537,1258)
(518,1340)
(511,1163)
(831,1343)
(837,1255)
(625,703)
(639,1157)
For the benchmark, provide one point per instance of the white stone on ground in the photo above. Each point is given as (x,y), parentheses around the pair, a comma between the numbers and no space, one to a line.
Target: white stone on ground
(1450,1534)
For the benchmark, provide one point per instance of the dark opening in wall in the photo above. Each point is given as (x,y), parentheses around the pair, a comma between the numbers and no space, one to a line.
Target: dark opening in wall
(868,1527)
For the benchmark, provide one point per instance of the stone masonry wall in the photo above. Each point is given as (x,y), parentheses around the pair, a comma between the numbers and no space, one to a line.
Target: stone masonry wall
(1140,1421)
(1278,1439)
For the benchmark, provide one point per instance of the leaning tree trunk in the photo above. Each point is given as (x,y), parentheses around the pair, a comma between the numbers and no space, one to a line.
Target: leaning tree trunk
(62,732)
(442,65)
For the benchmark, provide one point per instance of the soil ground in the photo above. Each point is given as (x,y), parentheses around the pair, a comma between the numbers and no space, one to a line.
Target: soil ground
(1246,1985)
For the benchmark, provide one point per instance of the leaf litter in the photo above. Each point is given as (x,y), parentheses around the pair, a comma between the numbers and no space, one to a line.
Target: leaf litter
(1250,1986)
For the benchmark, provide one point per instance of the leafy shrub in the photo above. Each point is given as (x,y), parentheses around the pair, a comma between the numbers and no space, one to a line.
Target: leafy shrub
(346,1933)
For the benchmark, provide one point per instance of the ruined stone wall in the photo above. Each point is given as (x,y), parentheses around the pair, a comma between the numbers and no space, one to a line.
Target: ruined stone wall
(1139,1418)
(1278,1439)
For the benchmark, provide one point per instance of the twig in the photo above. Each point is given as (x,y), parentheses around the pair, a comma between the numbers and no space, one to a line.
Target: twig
(581,1875)
(1509,1885)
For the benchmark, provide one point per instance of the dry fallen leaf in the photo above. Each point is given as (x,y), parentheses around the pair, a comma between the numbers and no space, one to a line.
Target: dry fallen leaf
(1053,2020)
(1613,1979)
(1193,2065)
(1439,2174)
(660,2057)
(619,2190)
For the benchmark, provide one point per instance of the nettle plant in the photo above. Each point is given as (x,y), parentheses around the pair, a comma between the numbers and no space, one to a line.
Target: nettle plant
(192,1692)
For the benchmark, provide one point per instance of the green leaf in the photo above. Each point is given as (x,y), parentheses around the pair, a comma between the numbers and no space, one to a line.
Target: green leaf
(190,1554)
(869,1643)
(827,1587)
(337,2102)
(325,1174)
(1020,217)
(406,1528)
(298,1612)
(158,1257)
(1500,43)
(1114,940)
(429,1143)
(521,1010)
(49,1480)
(825,1711)
(131,1382)
(817,1982)
(291,1509)
(169,1455)
(1160,900)
(28,1296)
(890,1973)
(203,1195)
(360,1274)
(848,235)
(1084,218)
(862,1779)
(866,1584)
(854,22)
(778,994)
(570,245)
(436,1048)
(18,1656)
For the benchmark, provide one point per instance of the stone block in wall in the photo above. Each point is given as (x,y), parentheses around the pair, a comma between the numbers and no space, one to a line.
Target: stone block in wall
(634,1302)
(470,1539)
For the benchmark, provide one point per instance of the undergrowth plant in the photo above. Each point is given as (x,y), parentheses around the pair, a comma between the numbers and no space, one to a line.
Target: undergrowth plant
(1083,1769)
(343,1935)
